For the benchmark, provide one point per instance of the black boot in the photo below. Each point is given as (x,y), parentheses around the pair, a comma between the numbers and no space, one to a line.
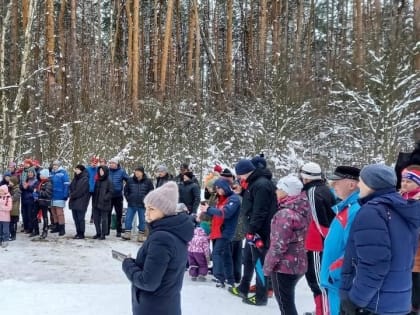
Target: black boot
(44,234)
(61,229)
(55,229)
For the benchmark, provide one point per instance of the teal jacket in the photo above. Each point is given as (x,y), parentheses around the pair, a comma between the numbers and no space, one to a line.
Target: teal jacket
(334,247)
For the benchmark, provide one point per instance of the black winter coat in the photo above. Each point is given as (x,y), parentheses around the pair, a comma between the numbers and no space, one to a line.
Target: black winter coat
(79,191)
(135,190)
(189,194)
(44,189)
(158,271)
(259,204)
(163,180)
(102,194)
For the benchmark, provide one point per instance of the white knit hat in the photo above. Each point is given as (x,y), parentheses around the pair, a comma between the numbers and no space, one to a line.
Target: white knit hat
(311,170)
(291,185)
(164,198)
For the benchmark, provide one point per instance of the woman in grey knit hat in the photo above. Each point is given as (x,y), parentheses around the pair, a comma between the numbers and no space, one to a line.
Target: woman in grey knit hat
(157,272)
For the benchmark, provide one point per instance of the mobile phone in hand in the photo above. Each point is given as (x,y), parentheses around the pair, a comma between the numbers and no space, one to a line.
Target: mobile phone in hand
(118,255)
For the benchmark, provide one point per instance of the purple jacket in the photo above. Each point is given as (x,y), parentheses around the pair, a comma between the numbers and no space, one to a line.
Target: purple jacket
(199,242)
(287,238)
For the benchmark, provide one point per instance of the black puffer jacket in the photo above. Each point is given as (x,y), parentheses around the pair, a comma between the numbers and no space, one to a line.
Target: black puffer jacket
(79,191)
(157,272)
(189,194)
(44,189)
(103,191)
(259,204)
(135,190)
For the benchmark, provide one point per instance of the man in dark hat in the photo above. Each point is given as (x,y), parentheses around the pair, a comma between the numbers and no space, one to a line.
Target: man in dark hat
(344,181)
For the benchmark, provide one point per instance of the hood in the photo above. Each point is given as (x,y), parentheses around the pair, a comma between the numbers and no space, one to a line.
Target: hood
(84,173)
(259,172)
(106,172)
(222,183)
(407,209)
(298,203)
(14,180)
(180,225)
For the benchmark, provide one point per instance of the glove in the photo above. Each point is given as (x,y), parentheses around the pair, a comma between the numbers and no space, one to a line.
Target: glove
(254,240)
(35,195)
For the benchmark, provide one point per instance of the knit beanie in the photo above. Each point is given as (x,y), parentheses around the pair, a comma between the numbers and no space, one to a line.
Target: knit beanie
(311,170)
(378,176)
(162,168)
(164,198)
(291,185)
(226,173)
(413,175)
(7,173)
(44,173)
(4,189)
(244,166)
(217,168)
(57,162)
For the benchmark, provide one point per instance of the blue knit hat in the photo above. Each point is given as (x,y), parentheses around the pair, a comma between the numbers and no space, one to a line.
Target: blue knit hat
(378,176)
(44,173)
(244,166)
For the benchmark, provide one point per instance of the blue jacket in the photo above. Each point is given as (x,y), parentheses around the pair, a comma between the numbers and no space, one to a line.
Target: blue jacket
(376,272)
(230,210)
(158,271)
(117,176)
(60,183)
(92,174)
(334,247)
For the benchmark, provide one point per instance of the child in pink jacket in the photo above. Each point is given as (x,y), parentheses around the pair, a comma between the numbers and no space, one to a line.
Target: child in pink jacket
(5,209)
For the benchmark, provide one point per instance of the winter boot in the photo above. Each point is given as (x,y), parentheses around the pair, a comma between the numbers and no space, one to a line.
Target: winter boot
(61,230)
(44,234)
(127,236)
(141,237)
(55,228)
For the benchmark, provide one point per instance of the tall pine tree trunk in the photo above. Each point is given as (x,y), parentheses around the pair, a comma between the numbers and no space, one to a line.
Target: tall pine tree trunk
(229,50)
(50,41)
(417,32)
(165,48)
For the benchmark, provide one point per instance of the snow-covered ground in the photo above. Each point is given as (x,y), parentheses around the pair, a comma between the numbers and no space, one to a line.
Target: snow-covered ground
(66,277)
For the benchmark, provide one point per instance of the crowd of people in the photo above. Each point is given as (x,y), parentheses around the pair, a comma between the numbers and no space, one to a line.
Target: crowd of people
(351,234)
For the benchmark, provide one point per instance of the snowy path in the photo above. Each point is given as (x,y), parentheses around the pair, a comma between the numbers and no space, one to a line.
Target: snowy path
(66,277)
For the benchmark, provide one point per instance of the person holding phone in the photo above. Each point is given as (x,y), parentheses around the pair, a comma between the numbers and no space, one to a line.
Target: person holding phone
(157,272)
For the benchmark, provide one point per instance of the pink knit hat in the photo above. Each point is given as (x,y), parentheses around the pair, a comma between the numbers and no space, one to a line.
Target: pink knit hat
(164,198)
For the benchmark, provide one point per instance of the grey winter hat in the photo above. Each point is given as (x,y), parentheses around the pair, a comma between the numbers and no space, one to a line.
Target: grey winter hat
(165,198)
(113,160)
(162,168)
(57,162)
(378,176)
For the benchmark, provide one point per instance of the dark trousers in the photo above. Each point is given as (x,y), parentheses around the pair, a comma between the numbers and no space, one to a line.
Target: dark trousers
(312,274)
(248,270)
(254,259)
(236,248)
(26,208)
(117,204)
(79,221)
(222,261)
(34,218)
(100,219)
(14,219)
(284,289)
(198,264)
(415,300)
(44,210)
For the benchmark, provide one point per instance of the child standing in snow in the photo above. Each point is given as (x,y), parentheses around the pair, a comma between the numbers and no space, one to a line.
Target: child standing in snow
(199,254)
(5,208)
